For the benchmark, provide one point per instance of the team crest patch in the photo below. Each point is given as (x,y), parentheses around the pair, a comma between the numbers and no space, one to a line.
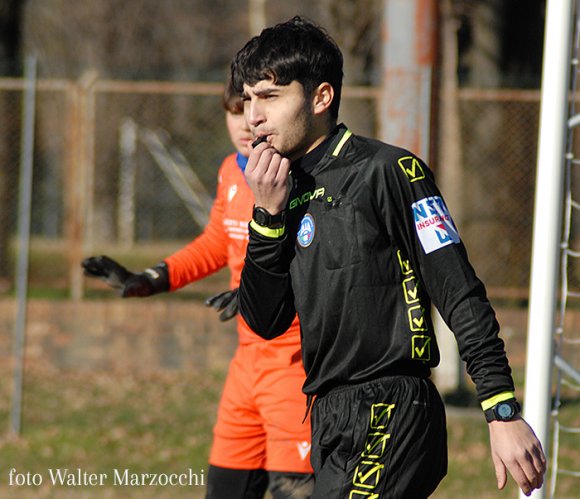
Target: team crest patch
(306,231)
(433,224)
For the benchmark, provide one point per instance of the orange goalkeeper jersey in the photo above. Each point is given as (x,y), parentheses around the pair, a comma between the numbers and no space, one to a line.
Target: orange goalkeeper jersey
(223,242)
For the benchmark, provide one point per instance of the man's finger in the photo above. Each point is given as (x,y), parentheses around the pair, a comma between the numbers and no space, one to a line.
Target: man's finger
(106,269)
(269,161)
(500,472)
(521,478)
(230,310)
(277,172)
(539,458)
(219,301)
(226,303)
(534,470)
(255,158)
(283,171)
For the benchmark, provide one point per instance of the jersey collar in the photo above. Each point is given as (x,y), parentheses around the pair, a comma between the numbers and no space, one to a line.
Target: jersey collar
(332,145)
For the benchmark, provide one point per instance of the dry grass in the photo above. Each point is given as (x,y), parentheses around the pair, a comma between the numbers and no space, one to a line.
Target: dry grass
(161,423)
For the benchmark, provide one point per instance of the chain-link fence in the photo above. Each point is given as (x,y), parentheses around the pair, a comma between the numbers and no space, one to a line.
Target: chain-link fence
(110,157)
(499,133)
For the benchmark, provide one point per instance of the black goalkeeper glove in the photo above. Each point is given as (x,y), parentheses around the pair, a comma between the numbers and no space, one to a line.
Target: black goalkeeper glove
(149,282)
(226,303)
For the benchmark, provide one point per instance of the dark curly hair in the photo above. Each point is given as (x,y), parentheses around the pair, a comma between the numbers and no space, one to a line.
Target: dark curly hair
(296,50)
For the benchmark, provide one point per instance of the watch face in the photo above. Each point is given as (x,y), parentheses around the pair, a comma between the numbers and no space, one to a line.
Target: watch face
(505,411)
(263,218)
(260,216)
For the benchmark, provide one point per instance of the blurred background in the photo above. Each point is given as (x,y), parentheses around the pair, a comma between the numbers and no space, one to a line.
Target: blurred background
(128,135)
(118,80)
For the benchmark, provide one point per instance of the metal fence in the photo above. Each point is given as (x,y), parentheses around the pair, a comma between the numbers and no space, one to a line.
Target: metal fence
(106,152)
(499,131)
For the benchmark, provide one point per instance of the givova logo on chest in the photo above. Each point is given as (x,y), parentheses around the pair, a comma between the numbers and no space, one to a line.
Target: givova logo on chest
(307,196)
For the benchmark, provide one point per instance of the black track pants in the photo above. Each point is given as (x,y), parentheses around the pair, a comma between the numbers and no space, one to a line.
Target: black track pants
(382,439)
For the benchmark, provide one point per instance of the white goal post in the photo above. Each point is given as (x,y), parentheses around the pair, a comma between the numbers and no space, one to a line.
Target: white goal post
(547,219)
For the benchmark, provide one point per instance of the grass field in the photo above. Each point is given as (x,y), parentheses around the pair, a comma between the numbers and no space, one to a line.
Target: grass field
(99,421)
(161,423)
(105,422)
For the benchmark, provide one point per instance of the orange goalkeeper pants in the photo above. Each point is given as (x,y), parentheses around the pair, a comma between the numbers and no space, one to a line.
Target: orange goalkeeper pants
(261,411)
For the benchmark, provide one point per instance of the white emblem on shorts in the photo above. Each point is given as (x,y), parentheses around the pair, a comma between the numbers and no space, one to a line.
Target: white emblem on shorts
(303,449)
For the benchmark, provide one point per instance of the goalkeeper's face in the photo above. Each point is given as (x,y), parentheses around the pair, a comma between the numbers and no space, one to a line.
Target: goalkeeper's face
(240,133)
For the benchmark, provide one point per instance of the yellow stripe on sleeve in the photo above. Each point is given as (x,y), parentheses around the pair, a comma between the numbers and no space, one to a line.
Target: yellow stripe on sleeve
(266,231)
(496,399)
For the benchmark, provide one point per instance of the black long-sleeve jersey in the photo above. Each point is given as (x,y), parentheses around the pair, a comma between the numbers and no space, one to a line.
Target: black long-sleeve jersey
(368,245)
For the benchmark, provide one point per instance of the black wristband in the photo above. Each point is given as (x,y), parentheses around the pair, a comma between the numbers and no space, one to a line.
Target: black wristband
(158,276)
(264,219)
(503,411)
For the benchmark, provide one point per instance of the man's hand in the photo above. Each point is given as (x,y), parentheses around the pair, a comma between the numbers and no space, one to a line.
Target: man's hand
(515,447)
(106,269)
(268,175)
(151,281)
(226,303)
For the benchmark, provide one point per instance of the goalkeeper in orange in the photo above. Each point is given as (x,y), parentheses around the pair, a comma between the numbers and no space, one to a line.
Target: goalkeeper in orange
(260,440)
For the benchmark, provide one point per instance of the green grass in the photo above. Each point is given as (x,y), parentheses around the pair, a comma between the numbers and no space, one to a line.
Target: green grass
(162,423)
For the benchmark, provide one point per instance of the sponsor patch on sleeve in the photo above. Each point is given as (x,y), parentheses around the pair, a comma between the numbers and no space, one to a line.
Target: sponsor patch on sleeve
(433,224)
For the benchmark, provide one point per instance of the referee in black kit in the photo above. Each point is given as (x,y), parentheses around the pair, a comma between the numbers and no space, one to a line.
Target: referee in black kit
(354,236)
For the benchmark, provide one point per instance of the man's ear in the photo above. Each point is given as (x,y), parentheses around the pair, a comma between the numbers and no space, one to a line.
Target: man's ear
(322,98)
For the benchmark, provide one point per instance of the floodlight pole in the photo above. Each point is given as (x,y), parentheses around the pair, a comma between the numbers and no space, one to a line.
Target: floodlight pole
(547,219)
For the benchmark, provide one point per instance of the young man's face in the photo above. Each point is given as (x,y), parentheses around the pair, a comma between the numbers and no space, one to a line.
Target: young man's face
(240,133)
(282,113)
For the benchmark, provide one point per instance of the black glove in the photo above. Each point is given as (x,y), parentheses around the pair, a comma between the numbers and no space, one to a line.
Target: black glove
(226,303)
(149,282)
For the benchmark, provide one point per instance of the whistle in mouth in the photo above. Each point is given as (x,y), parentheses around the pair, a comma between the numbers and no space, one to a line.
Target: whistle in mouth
(259,140)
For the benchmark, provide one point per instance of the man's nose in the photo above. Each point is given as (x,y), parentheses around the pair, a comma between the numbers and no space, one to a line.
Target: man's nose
(254,113)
